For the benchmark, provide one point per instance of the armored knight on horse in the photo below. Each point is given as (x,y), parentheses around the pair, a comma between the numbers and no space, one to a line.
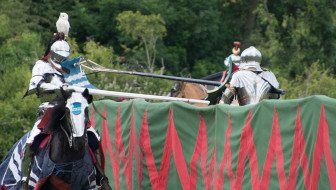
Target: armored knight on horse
(251,83)
(47,79)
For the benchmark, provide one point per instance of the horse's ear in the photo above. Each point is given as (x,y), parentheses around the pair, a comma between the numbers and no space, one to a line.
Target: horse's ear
(86,95)
(64,93)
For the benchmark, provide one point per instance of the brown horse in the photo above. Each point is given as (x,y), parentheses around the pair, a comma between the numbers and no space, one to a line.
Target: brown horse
(190,91)
(193,91)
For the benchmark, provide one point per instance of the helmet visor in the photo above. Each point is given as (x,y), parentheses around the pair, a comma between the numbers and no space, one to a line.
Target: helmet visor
(57,58)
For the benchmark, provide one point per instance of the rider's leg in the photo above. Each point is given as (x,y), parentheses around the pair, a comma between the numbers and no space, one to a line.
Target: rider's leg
(95,145)
(28,154)
(43,113)
(228,95)
(243,96)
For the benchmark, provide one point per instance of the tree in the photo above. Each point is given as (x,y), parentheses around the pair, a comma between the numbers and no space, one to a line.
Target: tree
(315,80)
(148,29)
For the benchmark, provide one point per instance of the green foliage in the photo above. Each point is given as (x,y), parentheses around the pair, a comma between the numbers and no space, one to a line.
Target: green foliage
(4,27)
(148,29)
(21,49)
(314,81)
(204,68)
(17,115)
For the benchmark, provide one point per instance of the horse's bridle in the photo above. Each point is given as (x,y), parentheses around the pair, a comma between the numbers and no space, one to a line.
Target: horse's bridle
(69,136)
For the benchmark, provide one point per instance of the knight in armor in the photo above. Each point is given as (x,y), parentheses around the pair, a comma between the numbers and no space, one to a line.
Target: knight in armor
(251,83)
(47,79)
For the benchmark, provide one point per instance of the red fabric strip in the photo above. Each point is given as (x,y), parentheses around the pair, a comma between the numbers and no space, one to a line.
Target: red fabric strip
(131,148)
(120,148)
(179,159)
(326,149)
(266,173)
(322,146)
(298,155)
(247,148)
(279,153)
(135,149)
(194,158)
(296,152)
(241,158)
(204,153)
(165,161)
(317,155)
(274,149)
(226,160)
(114,162)
(146,147)
(252,153)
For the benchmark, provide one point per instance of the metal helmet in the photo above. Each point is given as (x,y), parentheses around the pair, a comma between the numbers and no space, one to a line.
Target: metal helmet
(59,51)
(251,55)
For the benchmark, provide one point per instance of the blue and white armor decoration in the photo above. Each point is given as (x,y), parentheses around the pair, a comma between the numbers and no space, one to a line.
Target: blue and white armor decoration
(75,76)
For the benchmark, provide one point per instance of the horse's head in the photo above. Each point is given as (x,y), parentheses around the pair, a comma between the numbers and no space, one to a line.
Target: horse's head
(76,111)
(175,91)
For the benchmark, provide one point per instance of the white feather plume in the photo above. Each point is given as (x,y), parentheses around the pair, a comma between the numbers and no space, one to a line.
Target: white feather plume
(63,24)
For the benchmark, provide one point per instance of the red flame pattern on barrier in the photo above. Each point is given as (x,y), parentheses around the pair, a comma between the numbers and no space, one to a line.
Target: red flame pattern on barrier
(213,176)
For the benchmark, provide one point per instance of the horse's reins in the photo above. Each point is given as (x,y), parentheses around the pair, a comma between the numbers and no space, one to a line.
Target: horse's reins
(69,137)
(95,108)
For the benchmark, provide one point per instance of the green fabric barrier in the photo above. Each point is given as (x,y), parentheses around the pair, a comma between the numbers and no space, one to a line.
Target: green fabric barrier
(276,144)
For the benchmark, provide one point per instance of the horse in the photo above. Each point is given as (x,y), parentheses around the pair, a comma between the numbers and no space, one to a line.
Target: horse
(190,91)
(65,161)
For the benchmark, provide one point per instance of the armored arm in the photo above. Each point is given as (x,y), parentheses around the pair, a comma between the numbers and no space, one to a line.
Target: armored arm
(44,79)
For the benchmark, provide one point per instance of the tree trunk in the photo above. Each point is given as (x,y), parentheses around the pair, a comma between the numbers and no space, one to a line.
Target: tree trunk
(250,20)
